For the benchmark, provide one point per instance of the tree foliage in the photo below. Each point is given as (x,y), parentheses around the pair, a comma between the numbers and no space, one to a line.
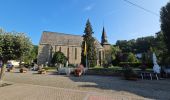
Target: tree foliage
(139,45)
(32,55)
(59,58)
(14,45)
(115,50)
(90,46)
(165,24)
(131,57)
(145,46)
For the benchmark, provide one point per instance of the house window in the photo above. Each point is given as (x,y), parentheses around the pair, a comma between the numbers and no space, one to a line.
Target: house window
(75,53)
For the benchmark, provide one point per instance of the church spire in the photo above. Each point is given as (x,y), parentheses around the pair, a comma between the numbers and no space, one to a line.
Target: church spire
(104,37)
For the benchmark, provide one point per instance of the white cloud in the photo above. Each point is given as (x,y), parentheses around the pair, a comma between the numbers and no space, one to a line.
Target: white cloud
(89,7)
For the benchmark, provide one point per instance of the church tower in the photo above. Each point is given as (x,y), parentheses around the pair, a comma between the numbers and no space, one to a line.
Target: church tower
(106,49)
(104,37)
(104,41)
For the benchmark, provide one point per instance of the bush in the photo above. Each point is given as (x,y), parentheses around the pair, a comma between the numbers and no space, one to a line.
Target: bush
(59,58)
(72,65)
(129,73)
(131,64)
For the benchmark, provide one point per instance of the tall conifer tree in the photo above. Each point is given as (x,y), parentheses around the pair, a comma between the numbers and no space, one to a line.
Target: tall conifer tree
(90,46)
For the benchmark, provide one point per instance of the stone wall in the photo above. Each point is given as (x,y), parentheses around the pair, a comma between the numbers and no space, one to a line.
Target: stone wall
(43,54)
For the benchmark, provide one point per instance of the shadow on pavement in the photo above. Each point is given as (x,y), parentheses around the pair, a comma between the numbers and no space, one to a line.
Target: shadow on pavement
(145,88)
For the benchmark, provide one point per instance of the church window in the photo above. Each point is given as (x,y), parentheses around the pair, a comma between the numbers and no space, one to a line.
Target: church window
(75,53)
(60,49)
(67,52)
(55,48)
(99,55)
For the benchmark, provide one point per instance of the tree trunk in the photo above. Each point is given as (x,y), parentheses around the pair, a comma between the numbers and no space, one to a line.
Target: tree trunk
(2,72)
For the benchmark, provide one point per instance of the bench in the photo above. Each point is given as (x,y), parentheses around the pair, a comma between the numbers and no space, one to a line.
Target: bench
(149,74)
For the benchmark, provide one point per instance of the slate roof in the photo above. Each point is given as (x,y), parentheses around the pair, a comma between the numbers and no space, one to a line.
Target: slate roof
(97,44)
(55,38)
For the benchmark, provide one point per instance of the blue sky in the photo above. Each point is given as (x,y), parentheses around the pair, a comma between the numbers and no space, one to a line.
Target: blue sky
(121,20)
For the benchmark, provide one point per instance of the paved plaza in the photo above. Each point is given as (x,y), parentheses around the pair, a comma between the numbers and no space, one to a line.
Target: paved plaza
(33,86)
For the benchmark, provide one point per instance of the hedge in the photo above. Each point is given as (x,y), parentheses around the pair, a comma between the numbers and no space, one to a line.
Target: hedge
(134,64)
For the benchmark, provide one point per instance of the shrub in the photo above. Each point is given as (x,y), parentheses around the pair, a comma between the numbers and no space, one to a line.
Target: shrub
(131,64)
(105,71)
(129,73)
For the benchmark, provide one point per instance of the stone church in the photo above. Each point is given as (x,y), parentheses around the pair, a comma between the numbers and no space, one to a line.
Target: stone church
(70,45)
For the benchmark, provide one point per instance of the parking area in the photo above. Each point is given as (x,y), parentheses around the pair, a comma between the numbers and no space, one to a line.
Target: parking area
(26,86)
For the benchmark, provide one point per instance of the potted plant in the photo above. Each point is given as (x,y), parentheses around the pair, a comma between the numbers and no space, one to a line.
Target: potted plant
(78,72)
(23,70)
(42,71)
(10,69)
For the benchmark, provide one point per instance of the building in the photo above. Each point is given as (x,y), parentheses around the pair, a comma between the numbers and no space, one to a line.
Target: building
(70,45)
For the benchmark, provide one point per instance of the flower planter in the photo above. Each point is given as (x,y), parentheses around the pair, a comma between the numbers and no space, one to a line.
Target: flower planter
(9,70)
(78,72)
(42,71)
(23,70)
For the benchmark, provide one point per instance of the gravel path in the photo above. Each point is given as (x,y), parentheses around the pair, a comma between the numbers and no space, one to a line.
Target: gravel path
(85,87)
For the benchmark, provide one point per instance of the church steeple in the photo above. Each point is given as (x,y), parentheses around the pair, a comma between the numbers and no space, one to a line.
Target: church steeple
(104,37)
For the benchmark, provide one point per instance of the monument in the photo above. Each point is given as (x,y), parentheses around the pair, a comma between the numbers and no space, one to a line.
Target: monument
(156,67)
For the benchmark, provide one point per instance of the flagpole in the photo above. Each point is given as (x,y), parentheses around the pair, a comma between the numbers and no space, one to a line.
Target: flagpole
(86,61)
(85,52)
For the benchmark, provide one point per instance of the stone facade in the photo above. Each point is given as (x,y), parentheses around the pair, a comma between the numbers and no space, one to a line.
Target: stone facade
(52,42)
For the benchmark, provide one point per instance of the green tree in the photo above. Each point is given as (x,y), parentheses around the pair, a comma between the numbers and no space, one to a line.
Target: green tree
(114,51)
(160,49)
(90,46)
(165,24)
(131,57)
(13,46)
(59,58)
(32,55)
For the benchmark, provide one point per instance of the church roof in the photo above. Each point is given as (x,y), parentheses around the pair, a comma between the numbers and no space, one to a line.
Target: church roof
(97,44)
(55,38)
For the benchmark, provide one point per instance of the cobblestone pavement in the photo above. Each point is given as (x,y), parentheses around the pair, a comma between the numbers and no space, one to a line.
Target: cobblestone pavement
(32,86)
